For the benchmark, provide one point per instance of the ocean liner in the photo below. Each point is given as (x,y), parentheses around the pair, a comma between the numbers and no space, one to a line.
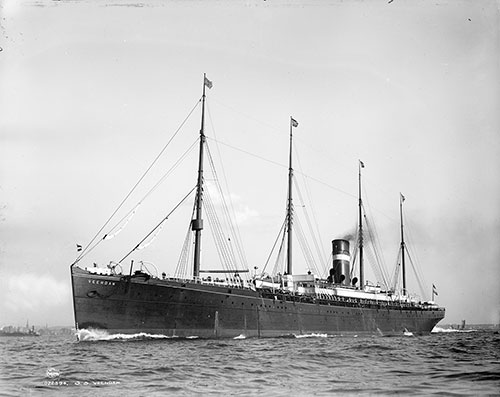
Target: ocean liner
(229,302)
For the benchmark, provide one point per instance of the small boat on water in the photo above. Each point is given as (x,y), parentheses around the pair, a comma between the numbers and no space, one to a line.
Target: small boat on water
(225,305)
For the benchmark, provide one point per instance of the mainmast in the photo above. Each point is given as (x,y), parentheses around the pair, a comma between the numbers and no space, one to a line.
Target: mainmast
(197,222)
(401,199)
(289,213)
(360,233)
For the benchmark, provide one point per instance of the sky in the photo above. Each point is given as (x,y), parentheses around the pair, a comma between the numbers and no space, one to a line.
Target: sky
(90,91)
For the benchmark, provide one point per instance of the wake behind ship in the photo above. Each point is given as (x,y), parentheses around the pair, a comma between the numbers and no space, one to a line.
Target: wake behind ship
(230,303)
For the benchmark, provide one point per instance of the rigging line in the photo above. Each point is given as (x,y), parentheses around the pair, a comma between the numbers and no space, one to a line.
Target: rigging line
(372,208)
(420,279)
(375,231)
(329,157)
(422,290)
(381,277)
(280,258)
(369,259)
(314,238)
(207,204)
(226,254)
(317,180)
(224,248)
(106,236)
(328,185)
(354,250)
(375,246)
(181,269)
(278,130)
(128,217)
(159,224)
(299,235)
(274,245)
(328,262)
(379,252)
(145,245)
(316,235)
(392,219)
(375,238)
(217,232)
(160,181)
(410,240)
(377,255)
(416,268)
(235,230)
(250,154)
(285,166)
(306,250)
(321,251)
(395,277)
(332,159)
(176,164)
(138,182)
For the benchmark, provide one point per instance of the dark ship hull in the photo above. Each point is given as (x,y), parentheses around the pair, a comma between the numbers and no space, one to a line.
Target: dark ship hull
(181,308)
(287,304)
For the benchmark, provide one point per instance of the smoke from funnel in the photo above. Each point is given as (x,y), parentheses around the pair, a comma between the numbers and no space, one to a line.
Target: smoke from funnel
(349,237)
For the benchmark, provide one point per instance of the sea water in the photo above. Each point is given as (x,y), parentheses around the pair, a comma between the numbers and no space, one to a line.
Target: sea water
(442,363)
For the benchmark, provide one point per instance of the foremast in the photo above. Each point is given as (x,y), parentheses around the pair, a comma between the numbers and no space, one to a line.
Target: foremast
(289,207)
(197,222)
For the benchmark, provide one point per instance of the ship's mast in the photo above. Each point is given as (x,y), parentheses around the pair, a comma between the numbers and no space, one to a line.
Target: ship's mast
(289,208)
(401,199)
(360,239)
(197,222)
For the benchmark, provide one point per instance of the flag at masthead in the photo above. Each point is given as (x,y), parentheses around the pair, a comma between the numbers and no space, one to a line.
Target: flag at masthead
(208,83)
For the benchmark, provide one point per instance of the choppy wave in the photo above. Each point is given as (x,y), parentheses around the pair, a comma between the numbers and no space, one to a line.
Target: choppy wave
(439,329)
(311,336)
(448,362)
(93,335)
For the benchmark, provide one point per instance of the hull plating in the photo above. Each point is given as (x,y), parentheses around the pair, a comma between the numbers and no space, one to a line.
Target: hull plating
(121,304)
